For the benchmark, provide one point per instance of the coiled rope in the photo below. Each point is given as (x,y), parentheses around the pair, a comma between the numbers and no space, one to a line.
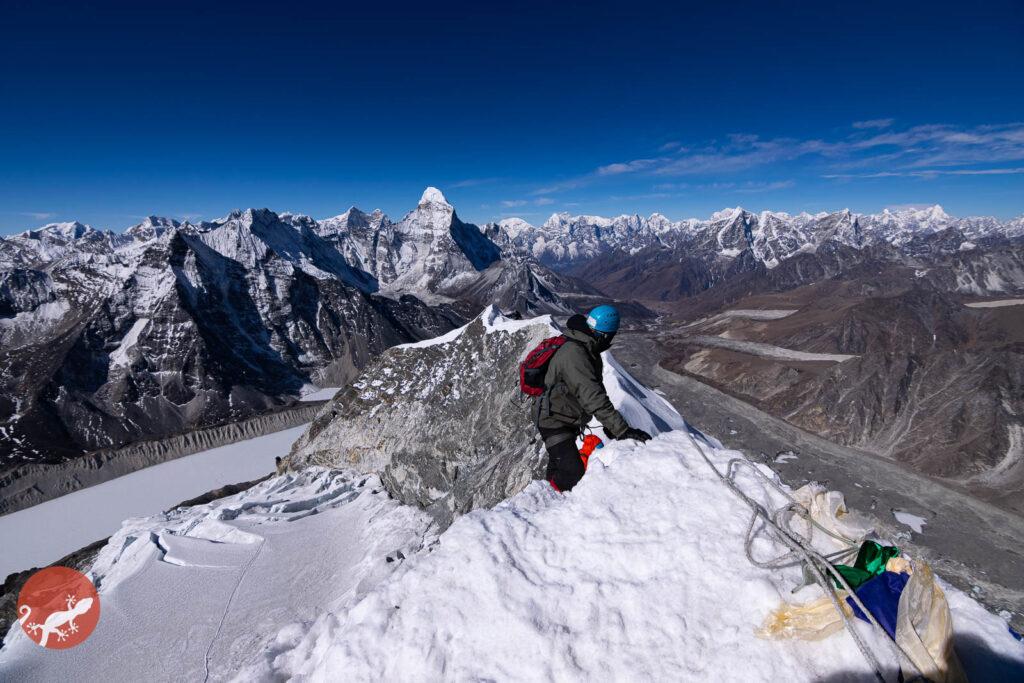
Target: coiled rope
(800,550)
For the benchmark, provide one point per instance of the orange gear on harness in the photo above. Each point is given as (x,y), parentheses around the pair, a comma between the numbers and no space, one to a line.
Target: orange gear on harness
(590,442)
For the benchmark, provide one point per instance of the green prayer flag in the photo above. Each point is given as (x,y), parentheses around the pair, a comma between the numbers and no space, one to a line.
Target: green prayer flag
(870,562)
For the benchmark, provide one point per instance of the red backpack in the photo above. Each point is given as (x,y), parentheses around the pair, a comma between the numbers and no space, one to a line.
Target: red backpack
(535,367)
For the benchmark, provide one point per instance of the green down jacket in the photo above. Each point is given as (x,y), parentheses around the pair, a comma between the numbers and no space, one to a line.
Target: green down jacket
(575,390)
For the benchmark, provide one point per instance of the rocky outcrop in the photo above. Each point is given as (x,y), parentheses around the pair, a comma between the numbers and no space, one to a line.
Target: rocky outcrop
(443,421)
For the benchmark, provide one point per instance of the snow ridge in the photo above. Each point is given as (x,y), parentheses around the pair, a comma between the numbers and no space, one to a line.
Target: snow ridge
(772,236)
(625,578)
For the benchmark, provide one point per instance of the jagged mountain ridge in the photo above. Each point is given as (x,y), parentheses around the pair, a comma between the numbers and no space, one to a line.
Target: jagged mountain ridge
(187,330)
(113,337)
(772,236)
(108,338)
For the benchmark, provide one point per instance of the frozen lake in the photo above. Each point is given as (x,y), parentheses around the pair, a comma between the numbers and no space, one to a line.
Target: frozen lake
(44,533)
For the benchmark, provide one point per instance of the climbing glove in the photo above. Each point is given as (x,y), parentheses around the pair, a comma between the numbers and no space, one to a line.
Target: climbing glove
(638,434)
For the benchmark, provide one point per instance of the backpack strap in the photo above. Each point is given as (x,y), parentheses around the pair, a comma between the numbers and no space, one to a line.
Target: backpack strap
(539,403)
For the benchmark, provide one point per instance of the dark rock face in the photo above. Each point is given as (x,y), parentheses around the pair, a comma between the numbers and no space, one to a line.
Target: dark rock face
(444,423)
(194,328)
(23,290)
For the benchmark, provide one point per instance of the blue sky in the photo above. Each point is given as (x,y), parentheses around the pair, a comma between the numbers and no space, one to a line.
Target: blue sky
(114,111)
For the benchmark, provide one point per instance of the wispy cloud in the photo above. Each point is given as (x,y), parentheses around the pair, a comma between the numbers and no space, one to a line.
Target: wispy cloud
(873,123)
(753,187)
(889,150)
(539,201)
(928,173)
(628,167)
(562,186)
(473,182)
(39,215)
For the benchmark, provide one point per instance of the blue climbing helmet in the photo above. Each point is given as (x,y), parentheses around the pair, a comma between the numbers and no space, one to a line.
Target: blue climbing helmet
(604,319)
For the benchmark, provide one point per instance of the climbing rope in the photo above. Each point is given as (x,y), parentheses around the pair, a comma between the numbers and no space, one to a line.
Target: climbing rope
(800,550)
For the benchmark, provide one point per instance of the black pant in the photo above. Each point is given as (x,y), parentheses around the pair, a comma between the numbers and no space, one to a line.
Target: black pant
(565,466)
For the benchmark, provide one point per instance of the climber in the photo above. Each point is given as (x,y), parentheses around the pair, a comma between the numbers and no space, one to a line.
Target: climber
(574,392)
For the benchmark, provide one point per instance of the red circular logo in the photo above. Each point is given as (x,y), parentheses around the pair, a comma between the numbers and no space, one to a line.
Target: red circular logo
(58,607)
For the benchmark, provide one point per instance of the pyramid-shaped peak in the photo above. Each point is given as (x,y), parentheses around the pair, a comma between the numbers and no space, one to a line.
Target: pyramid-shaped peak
(728,214)
(432,195)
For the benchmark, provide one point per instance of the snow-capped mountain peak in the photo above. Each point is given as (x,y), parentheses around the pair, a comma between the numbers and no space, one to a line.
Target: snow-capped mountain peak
(432,214)
(513,227)
(152,227)
(70,230)
(727,214)
(432,195)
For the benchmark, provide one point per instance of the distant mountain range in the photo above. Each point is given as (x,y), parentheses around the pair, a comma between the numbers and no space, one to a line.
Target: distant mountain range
(770,236)
(109,338)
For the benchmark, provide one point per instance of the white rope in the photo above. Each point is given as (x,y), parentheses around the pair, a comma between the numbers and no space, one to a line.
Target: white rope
(800,550)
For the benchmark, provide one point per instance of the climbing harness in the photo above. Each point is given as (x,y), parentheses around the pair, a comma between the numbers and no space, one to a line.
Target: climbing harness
(801,552)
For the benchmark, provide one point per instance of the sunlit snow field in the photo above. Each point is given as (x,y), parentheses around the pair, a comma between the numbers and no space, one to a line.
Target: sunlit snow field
(46,532)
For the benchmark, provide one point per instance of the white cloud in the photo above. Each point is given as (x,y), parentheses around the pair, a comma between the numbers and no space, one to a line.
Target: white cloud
(39,215)
(928,173)
(873,123)
(629,167)
(561,186)
(872,149)
(897,151)
(473,182)
(539,201)
(753,187)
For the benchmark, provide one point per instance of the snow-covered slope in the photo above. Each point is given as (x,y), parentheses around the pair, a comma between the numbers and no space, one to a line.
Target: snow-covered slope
(197,593)
(77,519)
(638,574)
